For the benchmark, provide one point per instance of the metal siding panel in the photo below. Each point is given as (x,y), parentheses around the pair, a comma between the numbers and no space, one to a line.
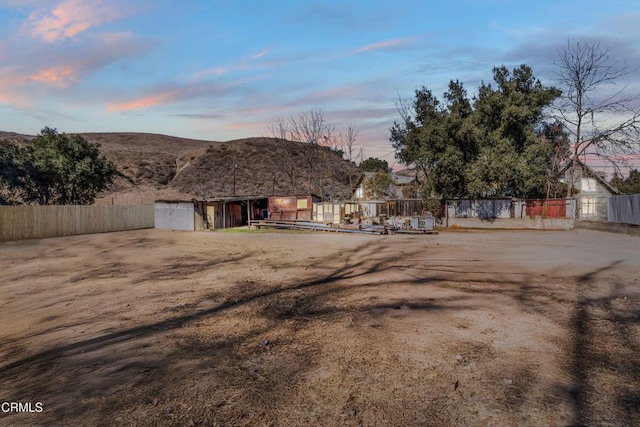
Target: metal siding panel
(174,216)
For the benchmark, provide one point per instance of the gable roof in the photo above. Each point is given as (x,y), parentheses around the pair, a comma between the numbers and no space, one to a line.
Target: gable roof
(397,179)
(593,174)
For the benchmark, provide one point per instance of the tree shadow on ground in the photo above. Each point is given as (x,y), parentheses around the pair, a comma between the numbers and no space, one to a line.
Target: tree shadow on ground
(240,374)
(605,365)
(75,377)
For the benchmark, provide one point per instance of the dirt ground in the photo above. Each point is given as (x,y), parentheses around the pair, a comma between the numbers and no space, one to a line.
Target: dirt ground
(270,328)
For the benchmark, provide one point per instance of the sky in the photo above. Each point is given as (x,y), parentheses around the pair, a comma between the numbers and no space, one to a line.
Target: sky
(223,70)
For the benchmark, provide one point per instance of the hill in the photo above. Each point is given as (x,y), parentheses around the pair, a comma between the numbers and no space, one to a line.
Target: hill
(152,167)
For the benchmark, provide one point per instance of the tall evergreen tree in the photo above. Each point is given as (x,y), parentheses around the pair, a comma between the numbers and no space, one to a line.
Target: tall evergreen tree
(491,147)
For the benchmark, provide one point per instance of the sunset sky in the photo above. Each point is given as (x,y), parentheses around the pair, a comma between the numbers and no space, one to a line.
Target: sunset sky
(221,70)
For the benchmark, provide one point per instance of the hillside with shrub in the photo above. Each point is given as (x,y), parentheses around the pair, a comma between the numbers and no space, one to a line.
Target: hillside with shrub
(153,167)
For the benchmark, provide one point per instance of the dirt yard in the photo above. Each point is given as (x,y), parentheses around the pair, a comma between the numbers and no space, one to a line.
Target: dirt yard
(266,328)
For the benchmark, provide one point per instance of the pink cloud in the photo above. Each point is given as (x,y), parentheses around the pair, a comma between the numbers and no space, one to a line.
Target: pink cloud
(17,87)
(141,103)
(10,79)
(60,77)
(171,93)
(71,17)
(28,75)
(626,157)
(11,99)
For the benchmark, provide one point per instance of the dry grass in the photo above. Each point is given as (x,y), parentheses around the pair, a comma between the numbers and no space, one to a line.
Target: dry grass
(160,167)
(152,167)
(168,328)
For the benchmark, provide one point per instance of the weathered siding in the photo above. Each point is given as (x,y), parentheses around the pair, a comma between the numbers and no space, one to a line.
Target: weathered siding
(38,222)
(592,196)
(292,207)
(624,209)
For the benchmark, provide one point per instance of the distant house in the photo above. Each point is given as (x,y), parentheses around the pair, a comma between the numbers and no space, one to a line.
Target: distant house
(395,190)
(591,191)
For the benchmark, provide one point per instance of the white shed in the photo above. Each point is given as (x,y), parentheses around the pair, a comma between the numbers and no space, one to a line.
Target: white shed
(175,215)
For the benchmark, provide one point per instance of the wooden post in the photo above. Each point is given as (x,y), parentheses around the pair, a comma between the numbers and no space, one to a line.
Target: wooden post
(446,213)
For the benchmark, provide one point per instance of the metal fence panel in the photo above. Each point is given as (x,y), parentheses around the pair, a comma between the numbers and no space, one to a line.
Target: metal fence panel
(624,209)
(481,208)
(488,209)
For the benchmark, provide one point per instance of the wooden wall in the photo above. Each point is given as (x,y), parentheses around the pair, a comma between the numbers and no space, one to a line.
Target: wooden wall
(37,222)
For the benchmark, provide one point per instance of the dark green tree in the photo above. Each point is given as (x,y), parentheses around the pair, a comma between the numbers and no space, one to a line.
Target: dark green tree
(488,148)
(12,173)
(373,164)
(422,139)
(379,186)
(628,185)
(507,119)
(63,169)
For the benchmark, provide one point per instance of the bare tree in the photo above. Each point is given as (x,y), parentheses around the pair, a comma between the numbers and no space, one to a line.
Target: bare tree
(284,161)
(601,122)
(315,151)
(309,127)
(312,129)
(350,150)
(348,142)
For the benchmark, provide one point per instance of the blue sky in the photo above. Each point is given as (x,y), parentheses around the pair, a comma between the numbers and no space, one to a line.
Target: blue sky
(220,70)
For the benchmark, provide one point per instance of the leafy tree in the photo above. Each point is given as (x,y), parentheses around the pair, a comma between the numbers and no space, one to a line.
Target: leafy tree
(11,172)
(489,147)
(378,187)
(628,185)
(410,191)
(506,118)
(61,169)
(556,141)
(373,164)
(601,123)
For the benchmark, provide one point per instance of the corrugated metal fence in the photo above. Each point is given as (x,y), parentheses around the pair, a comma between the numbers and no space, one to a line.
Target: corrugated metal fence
(624,209)
(397,207)
(37,222)
(508,208)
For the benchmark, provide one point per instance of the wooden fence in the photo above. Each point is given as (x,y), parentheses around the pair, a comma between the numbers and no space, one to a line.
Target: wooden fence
(38,222)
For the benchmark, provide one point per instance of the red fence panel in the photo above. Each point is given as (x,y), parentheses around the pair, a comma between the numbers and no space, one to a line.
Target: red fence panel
(552,208)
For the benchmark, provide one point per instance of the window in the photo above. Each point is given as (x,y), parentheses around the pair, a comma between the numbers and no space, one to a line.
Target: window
(589,207)
(588,185)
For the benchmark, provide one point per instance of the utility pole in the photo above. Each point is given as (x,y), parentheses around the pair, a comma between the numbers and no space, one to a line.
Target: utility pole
(235,166)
